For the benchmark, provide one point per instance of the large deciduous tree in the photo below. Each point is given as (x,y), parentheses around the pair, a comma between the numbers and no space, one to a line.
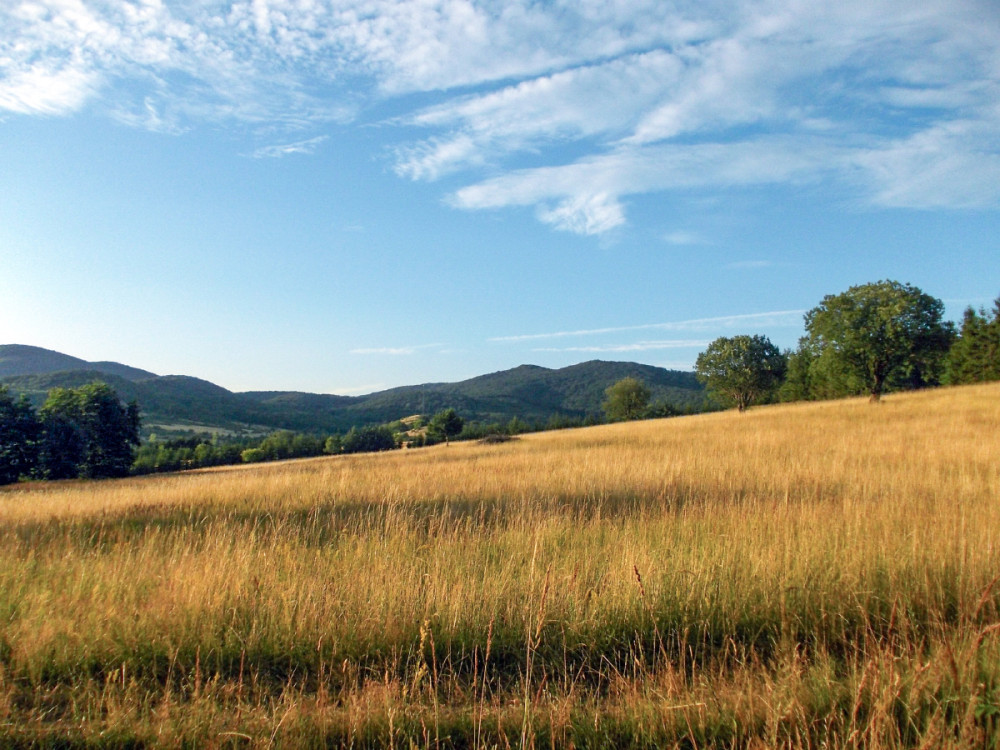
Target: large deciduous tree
(876,335)
(88,432)
(741,370)
(625,400)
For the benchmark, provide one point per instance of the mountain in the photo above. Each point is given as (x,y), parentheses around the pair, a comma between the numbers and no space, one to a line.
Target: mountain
(529,392)
(18,359)
(532,393)
(175,402)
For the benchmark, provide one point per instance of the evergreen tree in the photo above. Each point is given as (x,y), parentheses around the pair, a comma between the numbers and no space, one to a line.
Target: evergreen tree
(975,355)
(445,425)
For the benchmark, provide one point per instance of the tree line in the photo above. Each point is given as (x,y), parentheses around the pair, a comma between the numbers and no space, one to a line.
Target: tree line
(202,451)
(84,432)
(198,452)
(88,433)
(869,340)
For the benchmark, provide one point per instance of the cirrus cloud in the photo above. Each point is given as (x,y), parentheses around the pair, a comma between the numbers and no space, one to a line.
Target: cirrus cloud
(565,108)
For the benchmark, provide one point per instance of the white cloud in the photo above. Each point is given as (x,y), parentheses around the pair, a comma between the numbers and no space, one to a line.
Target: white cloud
(46,90)
(395,351)
(444,44)
(719,88)
(950,165)
(192,61)
(307,146)
(775,319)
(568,108)
(606,97)
(682,237)
(431,159)
(150,118)
(586,194)
(830,83)
(638,346)
(584,214)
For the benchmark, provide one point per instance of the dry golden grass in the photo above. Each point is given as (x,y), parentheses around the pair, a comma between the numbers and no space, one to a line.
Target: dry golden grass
(801,575)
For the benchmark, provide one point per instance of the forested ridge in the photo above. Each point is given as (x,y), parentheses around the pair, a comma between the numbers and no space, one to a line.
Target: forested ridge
(528,392)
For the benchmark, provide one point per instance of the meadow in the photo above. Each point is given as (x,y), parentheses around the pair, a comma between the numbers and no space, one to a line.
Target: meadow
(804,575)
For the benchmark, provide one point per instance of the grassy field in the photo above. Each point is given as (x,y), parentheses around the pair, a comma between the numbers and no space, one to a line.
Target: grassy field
(810,575)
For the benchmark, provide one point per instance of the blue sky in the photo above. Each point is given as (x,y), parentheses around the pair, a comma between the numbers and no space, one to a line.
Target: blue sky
(343,196)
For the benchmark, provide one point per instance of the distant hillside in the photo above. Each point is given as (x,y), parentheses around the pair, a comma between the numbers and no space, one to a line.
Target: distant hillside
(531,392)
(179,402)
(18,359)
(173,402)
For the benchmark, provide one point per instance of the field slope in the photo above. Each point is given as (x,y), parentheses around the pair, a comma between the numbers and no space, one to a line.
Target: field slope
(812,575)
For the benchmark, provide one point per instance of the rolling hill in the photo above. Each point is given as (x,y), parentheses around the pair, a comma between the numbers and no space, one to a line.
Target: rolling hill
(18,359)
(175,402)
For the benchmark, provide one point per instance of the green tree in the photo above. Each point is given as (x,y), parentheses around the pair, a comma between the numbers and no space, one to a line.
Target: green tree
(61,449)
(334,444)
(19,433)
(662,409)
(875,336)
(445,425)
(88,432)
(516,426)
(254,455)
(626,400)
(741,370)
(798,385)
(368,440)
(975,355)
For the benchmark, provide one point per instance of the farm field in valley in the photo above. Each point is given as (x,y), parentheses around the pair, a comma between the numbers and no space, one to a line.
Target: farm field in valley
(807,575)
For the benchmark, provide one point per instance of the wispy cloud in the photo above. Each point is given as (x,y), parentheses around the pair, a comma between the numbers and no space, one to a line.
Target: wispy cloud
(187,62)
(307,146)
(582,102)
(395,351)
(591,102)
(812,76)
(780,318)
(46,89)
(586,196)
(949,165)
(681,237)
(391,350)
(638,346)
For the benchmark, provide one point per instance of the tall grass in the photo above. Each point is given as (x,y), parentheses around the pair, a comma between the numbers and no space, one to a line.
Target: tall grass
(811,575)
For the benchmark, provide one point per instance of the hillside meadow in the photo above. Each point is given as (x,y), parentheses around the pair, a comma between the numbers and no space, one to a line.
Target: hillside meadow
(806,575)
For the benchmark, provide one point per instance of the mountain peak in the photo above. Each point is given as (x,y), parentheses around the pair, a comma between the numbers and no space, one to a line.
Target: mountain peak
(21,359)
